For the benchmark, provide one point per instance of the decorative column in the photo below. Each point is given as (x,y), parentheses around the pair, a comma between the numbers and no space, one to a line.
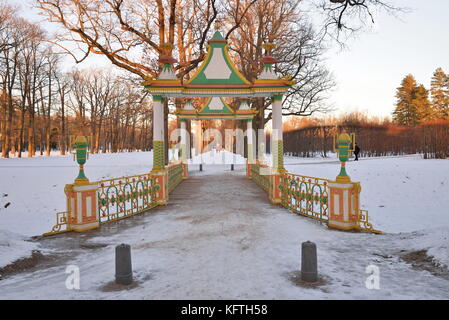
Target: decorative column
(82,196)
(277,143)
(158,134)
(184,149)
(250,150)
(159,171)
(277,151)
(344,195)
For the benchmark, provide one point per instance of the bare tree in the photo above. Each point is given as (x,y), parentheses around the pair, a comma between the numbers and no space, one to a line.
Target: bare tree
(349,16)
(63,82)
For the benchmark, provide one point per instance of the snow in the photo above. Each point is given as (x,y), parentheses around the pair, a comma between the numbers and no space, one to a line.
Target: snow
(402,194)
(34,187)
(220,238)
(13,247)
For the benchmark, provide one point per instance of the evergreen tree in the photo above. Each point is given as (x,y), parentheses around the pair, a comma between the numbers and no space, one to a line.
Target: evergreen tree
(440,94)
(422,104)
(406,112)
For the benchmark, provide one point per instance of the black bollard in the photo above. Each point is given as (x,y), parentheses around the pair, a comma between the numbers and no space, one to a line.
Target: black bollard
(232,167)
(123,267)
(201,167)
(309,266)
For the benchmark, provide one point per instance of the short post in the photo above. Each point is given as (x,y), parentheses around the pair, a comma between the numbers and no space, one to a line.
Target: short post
(232,167)
(123,267)
(309,266)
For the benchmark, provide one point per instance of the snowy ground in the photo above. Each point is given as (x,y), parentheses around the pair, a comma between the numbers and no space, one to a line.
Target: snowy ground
(402,194)
(220,238)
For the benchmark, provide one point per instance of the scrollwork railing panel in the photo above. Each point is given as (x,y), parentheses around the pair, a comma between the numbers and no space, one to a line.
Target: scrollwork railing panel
(174,176)
(307,196)
(260,175)
(126,196)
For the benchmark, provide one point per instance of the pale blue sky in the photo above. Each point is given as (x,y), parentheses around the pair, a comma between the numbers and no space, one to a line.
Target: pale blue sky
(372,67)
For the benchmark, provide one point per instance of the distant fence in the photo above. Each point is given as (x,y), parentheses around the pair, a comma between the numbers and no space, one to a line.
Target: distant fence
(429,139)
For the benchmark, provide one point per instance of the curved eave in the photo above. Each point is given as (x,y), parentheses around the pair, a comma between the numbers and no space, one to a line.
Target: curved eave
(180,91)
(235,116)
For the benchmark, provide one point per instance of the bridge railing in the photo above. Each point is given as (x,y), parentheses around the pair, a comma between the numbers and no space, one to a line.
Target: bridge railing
(114,199)
(307,196)
(259,174)
(126,196)
(175,171)
(62,224)
(311,197)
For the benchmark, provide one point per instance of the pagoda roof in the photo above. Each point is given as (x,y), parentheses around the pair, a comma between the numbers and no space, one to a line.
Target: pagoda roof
(217,69)
(217,76)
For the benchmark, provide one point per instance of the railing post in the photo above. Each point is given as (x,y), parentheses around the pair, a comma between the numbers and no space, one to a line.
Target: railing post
(248,169)
(161,185)
(82,196)
(344,205)
(82,207)
(344,197)
(185,170)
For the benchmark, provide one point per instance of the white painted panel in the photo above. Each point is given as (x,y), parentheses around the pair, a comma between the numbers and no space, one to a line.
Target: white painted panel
(336,204)
(158,121)
(345,205)
(80,207)
(217,67)
(72,207)
(216,104)
(88,206)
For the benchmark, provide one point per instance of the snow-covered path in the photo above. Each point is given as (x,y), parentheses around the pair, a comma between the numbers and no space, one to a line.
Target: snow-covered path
(220,238)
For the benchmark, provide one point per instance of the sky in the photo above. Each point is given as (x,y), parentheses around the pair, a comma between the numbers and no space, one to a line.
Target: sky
(373,64)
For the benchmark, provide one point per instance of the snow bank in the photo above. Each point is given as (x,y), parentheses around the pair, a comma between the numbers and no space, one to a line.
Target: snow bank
(435,242)
(13,247)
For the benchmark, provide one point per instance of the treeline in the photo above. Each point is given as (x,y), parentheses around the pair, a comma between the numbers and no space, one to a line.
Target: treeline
(375,138)
(42,105)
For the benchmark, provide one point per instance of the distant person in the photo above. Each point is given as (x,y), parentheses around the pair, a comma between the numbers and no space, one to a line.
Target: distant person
(356,152)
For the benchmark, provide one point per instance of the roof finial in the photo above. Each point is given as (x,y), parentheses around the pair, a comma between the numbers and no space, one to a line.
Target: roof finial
(218,24)
(166,49)
(268,46)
